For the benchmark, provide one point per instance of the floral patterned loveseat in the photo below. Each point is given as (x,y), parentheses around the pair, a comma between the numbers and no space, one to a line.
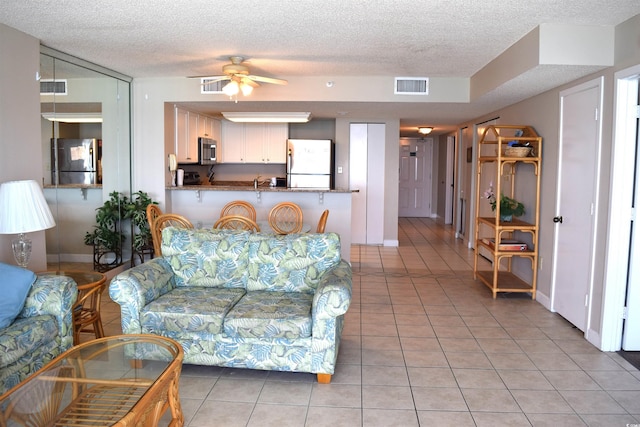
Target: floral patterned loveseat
(242,300)
(42,330)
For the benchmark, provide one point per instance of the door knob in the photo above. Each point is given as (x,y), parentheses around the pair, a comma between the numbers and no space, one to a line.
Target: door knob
(557,219)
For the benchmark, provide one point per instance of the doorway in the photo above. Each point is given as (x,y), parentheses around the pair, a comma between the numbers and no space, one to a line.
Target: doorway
(414,195)
(449,183)
(621,307)
(576,206)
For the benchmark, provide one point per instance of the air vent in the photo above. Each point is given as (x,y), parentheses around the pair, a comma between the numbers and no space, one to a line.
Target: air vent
(210,86)
(411,86)
(53,87)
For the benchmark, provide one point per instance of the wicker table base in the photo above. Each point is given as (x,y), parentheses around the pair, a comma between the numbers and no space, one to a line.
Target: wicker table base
(105,382)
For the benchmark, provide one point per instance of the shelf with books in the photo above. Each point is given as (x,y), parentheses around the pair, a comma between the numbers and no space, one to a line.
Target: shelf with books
(509,159)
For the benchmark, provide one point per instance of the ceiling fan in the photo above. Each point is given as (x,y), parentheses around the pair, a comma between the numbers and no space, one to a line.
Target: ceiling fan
(239,78)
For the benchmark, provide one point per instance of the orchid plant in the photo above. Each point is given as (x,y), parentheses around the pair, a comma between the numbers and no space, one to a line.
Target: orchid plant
(508,206)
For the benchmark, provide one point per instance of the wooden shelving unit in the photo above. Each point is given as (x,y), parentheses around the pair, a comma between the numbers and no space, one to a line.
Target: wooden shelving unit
(503,171)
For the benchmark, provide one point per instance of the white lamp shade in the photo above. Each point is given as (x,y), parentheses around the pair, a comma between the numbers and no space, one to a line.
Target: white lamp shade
(23,208)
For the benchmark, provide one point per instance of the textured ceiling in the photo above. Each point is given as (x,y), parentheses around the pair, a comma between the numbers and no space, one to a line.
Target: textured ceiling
(288,38)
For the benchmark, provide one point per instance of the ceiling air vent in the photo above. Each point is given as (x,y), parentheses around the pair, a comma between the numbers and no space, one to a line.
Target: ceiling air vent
(210,86)
(53,87)
(411,86)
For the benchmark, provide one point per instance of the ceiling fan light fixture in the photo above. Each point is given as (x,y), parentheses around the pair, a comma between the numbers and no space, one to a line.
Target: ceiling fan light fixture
(425,130)
(231,88)
(246,89)
(267,117)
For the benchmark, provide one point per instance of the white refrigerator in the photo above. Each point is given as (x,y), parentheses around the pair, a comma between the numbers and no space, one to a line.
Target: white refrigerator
(310,163)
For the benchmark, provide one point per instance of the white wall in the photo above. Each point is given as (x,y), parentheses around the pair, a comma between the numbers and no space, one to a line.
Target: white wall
(20,126)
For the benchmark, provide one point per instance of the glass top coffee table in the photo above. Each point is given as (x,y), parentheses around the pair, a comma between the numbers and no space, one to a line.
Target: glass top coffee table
(125,380)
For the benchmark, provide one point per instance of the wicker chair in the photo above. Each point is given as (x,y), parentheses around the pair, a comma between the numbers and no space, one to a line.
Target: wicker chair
(239,207)
(286,218)
(323,221)
(163,221)
(237,222)
(153,212)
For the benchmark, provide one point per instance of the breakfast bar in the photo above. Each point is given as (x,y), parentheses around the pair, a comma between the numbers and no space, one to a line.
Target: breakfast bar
(201,204)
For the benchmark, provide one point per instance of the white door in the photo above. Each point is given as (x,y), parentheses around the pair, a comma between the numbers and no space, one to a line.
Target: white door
(449,179)
(631,331)
(575,207)
(366,174)
(414,196)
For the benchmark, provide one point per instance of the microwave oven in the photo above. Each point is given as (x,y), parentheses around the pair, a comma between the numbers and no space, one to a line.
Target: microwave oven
(208,151)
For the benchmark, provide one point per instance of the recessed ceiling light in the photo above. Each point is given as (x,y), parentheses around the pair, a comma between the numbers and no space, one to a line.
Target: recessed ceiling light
(268,117)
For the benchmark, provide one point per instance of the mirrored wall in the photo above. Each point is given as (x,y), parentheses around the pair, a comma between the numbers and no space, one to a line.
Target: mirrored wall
(86,151)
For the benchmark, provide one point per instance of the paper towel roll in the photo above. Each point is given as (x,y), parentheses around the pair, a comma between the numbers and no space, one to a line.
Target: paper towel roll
(180,177)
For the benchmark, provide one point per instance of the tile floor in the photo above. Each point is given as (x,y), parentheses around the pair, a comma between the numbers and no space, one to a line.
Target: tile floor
(426,345)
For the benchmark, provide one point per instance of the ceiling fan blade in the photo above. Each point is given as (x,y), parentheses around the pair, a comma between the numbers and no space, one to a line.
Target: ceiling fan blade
(267,80)
(249,82)
(213,79)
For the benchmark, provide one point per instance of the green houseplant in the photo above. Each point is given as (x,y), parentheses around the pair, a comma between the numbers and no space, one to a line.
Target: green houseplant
(136,211)
(107,237)
(509,207)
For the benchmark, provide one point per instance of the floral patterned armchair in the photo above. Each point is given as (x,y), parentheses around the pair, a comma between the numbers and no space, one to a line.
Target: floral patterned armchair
(42,330)
(240,299)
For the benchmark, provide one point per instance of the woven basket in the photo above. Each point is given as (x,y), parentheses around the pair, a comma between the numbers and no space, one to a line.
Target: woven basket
(517,151)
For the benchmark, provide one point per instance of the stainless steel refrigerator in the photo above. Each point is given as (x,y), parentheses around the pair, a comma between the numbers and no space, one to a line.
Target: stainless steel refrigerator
(310,163)
(75,161)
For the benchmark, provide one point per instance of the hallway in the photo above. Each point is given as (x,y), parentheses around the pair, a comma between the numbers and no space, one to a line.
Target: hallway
(426,345)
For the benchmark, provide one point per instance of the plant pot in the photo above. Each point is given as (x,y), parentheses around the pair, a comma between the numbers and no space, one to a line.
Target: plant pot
(506,218)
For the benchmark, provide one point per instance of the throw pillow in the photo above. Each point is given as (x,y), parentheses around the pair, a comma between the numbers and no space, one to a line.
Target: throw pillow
(15,284)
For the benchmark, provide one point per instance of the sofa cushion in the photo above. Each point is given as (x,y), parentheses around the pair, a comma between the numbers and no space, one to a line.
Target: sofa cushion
(291,263)
(267,315)
(207,258)
(26,335)
(15,284)
(188,312)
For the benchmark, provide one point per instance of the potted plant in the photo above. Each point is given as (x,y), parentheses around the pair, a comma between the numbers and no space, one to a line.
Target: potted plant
(508,207)
(107,237)
(136,211)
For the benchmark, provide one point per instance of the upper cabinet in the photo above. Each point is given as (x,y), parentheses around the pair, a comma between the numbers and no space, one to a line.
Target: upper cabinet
(188,127)
(254,142)
(209,127)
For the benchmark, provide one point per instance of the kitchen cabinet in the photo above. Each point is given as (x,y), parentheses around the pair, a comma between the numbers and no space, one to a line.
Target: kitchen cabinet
(501,240)
(189,126)
(275,143)
(209,127)
(186,136)
(232,146)
(254,142)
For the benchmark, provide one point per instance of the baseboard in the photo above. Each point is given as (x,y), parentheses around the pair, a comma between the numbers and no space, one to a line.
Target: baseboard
(393,243)
(544,300)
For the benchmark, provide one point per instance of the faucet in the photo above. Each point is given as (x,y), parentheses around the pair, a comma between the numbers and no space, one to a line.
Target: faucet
(255,182)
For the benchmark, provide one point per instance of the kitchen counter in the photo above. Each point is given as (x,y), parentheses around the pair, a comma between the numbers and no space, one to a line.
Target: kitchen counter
(73,186)
(241,186)
(202,204)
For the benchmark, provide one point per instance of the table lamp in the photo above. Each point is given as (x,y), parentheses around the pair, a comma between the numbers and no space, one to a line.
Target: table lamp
(23,209)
